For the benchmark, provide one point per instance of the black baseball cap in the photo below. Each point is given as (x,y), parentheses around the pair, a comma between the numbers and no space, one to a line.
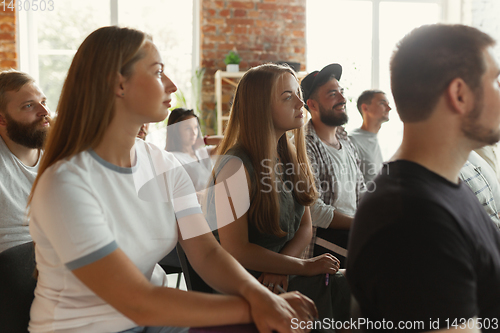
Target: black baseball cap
(317,78)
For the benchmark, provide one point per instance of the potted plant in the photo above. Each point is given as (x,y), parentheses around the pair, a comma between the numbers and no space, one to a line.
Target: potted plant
(232,61)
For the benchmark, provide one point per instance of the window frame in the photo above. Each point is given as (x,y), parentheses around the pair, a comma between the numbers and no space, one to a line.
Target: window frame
(451,12)
(27,39)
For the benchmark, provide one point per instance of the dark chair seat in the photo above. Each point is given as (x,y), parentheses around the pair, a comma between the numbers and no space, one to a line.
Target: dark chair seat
(337,237)
(193,280)
(171,265)
(17,284)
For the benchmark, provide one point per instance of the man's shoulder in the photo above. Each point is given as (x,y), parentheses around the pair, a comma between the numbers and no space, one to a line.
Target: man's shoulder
(415,191)
(313,142)
(405,180)
(358,134)
(348,144)
(342,133)
(398,204)
(5,155)
(355,134)
(342,136)
(4,150)
(356,131)
(310,132)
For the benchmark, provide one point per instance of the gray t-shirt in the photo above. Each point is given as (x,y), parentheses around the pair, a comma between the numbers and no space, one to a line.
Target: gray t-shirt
(369,152)
(200,170)
(16,180)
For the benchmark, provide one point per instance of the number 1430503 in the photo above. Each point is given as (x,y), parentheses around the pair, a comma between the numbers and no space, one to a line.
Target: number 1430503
(27,5)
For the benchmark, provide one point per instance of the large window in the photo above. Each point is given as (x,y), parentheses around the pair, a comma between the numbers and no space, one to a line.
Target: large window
(49,39)
(361,35)
(59,33)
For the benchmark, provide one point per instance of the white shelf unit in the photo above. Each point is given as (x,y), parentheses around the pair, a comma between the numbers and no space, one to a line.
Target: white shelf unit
(229,77)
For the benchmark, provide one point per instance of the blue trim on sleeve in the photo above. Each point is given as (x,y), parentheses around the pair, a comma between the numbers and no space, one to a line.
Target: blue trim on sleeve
(92,257)
(189,211)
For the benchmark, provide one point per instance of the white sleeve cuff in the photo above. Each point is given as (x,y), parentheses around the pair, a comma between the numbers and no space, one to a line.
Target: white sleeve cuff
(321,214)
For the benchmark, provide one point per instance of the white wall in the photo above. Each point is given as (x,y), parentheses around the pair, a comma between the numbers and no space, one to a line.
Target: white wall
(485,15)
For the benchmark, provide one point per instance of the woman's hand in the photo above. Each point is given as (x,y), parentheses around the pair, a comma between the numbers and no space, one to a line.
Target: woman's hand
(272,281)
(302,304)
(271,312)
(325,263)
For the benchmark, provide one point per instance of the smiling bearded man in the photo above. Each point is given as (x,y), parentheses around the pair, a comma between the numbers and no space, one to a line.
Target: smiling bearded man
(334,158)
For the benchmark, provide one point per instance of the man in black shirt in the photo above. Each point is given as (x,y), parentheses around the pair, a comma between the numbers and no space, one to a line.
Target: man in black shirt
(423,254)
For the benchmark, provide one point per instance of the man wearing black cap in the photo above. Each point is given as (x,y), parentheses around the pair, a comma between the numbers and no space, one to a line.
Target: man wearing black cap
(334,159)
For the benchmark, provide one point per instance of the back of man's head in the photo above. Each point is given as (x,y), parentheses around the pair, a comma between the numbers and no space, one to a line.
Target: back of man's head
(366,97)
(11,80)
(428,59)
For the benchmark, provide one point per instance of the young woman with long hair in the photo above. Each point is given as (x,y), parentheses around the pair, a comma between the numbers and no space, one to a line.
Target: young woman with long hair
(269,238)
(104,207)
(185,142)
(183,138)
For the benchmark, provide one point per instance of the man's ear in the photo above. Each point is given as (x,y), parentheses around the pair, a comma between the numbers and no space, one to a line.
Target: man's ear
(460,97)
(364,108)
(120,85)
(3,121)
(312,104)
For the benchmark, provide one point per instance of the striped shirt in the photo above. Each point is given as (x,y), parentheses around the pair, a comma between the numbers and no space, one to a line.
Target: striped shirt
(475,179)
(329,175)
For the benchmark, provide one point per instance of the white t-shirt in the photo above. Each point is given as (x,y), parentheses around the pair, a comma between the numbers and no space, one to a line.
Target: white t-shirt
(346,180)
(199,169)
(16,180)
(82,210)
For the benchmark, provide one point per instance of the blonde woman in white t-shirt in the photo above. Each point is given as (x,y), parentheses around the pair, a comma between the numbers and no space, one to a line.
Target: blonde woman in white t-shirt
(104,206)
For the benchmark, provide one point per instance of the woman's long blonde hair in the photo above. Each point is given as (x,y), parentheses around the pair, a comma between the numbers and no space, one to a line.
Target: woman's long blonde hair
(251,127)
(87,102)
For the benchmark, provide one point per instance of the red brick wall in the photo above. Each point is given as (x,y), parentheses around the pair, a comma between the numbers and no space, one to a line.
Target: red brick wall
(8,52)
(261,31)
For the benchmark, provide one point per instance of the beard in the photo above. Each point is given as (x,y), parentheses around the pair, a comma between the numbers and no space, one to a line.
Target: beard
(27,135)
(328,117)
(475,131)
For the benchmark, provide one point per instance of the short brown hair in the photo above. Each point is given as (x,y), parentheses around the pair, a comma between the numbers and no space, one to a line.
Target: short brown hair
(428,59)
(11,80)
(366,97)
